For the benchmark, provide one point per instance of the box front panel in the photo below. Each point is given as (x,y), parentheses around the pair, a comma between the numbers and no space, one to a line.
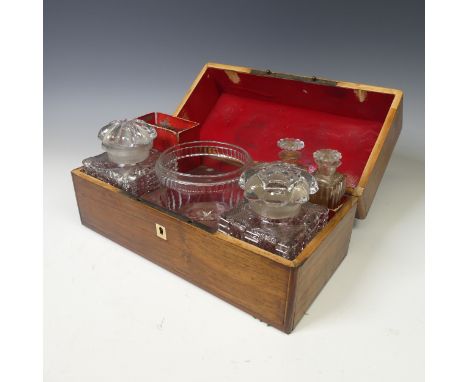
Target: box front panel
(253,283)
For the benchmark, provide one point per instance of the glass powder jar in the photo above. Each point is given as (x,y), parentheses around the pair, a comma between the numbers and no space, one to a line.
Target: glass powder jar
(129,160)
(200,179)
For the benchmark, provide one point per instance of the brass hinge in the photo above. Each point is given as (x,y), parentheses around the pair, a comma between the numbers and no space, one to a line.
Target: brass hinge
(313,79)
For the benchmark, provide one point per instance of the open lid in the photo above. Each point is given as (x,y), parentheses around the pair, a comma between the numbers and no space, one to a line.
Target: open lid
(254,109)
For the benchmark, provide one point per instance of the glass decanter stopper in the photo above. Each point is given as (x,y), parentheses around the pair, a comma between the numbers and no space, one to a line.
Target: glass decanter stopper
(331,184)
(290,150)
(276,214)
(129,160)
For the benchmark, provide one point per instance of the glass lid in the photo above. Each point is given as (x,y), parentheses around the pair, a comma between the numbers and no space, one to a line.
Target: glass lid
(127,134)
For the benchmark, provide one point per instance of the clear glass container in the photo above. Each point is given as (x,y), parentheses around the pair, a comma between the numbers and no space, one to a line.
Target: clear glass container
(332,184)
(290,150)
(129,160)
(127,142)
(200,179)
(276,214)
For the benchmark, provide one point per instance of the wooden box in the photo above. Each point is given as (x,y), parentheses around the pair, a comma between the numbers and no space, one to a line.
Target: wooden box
(253,108)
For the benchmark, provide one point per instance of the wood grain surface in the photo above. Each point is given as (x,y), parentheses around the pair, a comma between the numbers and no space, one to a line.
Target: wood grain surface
(370,184)
(247,277)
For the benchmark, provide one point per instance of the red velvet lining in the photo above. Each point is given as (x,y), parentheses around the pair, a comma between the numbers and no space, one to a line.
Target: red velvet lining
(255,111)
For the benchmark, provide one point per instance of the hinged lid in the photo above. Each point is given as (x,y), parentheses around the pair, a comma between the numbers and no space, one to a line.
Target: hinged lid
(254,109)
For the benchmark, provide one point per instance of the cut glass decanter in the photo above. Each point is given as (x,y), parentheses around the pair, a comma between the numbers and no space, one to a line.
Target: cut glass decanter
(129,160)
(331,184)
(276,214)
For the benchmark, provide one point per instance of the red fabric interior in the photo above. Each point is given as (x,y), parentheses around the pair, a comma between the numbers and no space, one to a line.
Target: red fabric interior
(255,111)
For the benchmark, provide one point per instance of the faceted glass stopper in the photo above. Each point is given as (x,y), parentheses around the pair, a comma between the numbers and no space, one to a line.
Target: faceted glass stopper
(277,190)
(290,144)
(327,160)
(127,141)
(290,150)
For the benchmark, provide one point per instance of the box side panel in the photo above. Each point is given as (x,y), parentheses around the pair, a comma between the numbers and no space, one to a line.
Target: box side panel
(251,282)
(367,197)
(314,273)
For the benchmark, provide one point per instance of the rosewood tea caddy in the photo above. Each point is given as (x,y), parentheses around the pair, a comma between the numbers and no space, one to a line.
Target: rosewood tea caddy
(253,109)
